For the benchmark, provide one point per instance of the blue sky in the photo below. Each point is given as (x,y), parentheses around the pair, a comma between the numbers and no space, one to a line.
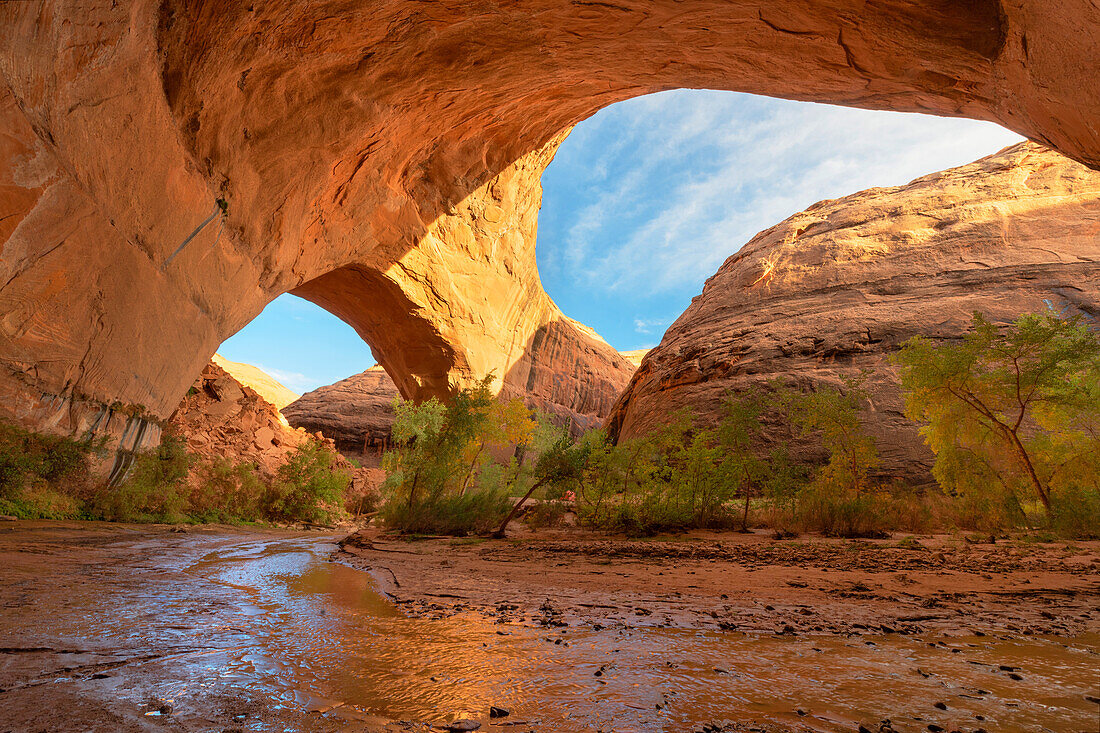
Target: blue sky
(647,198)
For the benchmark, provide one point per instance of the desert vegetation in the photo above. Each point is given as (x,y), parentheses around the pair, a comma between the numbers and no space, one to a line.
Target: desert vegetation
(49,477)
(1011,414)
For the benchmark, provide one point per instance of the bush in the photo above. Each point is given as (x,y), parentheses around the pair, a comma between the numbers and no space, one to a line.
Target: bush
(309,487)
(155,489)
(1075,513)
(41,502)
(226,492)
(475,512)
(28,458)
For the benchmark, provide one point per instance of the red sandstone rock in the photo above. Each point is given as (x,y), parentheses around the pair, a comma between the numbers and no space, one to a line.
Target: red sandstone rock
(222,418)
(168,167)
(356,413)
(836,288)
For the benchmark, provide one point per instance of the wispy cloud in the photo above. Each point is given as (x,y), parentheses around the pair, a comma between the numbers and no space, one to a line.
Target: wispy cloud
(663,188)
(649,326)
(297,381)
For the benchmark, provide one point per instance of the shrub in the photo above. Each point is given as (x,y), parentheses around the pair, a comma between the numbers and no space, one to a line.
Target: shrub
(155,489)
(475,512)
(29,458)
(309,486)
(1075,513)
(226,492)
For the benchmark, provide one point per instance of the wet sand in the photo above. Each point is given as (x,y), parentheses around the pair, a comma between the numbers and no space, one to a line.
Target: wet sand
(747,582)
(117,628)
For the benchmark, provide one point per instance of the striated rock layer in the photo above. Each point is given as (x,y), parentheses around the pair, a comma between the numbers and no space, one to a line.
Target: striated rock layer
(168,167)
(356,413)
(836,288)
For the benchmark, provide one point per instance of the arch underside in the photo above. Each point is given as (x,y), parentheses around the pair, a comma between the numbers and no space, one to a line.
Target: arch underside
(382,160)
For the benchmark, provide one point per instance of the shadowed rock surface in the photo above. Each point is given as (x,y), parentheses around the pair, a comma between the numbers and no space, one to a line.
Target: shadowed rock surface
(168,167)
(836,288)
(220,418)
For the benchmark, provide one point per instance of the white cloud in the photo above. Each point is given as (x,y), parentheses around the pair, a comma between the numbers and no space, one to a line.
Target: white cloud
(648,326)
(297,381)
(695,175)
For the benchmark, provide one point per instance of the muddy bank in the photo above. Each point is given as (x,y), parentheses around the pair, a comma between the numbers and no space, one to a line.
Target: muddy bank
(749,583)
(130,628)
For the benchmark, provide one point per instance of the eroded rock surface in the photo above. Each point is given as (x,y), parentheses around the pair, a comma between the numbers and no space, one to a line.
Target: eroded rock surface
(835,289)
(168,167)
(220,418)
(357,412)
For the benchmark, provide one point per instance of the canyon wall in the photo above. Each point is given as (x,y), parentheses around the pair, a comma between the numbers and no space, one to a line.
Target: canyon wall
(356,412)
(168,167)
(836,288)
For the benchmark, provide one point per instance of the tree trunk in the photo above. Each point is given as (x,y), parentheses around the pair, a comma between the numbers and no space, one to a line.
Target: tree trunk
(470,471)
(1021,452)
(515,510)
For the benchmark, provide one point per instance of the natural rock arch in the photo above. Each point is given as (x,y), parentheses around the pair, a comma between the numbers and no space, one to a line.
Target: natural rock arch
(370,154)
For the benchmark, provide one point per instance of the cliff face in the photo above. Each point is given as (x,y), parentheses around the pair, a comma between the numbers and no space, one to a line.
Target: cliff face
(836,288)
(260,381)
(168,167)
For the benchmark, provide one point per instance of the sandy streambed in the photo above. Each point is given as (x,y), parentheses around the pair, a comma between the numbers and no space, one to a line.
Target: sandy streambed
(113,628)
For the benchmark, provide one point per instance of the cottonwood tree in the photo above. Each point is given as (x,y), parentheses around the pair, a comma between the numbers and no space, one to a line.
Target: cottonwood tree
(1017,405)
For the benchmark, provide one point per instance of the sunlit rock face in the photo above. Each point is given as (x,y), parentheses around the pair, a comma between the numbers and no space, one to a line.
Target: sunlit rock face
(835,289)
(168,167)
(258,380)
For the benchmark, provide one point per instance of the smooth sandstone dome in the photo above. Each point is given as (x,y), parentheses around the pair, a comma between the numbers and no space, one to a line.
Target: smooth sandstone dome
(168,167)
(835,289)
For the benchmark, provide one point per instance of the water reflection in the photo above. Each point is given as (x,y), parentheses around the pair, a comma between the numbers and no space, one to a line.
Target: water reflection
(318,635)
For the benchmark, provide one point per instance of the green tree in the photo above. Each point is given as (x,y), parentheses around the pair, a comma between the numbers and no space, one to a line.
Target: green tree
(833,414)
(1018,405)
(739,433)
(561,464)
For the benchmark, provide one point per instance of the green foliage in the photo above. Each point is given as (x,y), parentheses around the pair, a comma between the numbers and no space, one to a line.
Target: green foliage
(155,489)
(227,492)
(840,499)
(675,478)
(475,512)
(1011,413)
(442,478)
(28,459)
(308,487)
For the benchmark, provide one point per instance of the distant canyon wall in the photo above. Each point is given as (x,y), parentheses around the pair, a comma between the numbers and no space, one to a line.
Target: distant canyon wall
(837,288)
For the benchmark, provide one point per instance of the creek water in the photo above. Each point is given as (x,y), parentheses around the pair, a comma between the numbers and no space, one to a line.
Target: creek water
(312,633)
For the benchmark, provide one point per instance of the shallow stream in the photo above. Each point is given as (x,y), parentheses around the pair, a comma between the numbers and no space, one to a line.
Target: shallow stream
(278,617)
(322,635)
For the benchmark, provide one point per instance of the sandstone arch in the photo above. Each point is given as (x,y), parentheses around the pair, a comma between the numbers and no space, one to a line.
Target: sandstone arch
(379,150)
